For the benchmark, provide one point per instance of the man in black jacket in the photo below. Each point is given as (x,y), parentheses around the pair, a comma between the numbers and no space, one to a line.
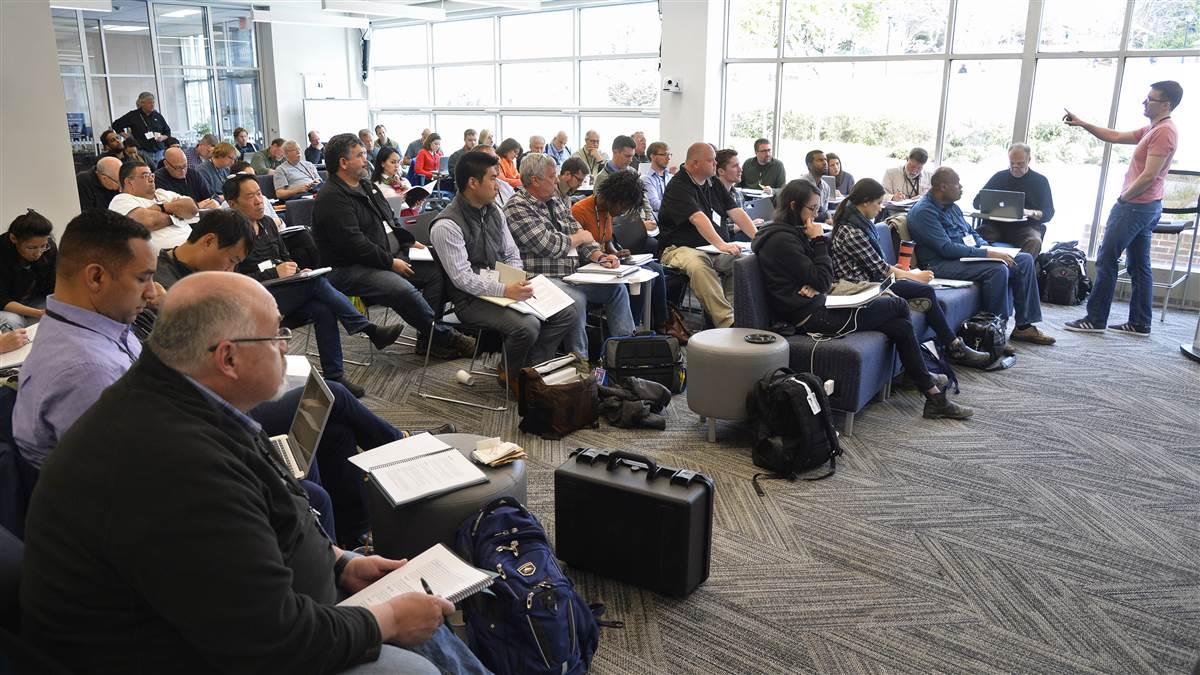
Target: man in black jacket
(98,186)
(350,223)
(240,576)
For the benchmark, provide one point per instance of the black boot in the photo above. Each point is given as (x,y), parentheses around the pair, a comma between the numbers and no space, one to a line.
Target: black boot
(382,336)
(962,354)
(446,428)
(354,389)
(937,406)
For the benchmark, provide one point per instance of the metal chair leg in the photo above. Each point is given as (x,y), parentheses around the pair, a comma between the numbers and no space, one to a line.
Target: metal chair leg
(1170,279)
(425,370)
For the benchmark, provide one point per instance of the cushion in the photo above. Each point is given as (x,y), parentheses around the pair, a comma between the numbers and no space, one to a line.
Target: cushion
(860,364)
(958,304)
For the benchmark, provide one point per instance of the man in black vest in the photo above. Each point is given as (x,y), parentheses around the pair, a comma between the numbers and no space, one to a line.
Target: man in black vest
(351,223)
(470,237)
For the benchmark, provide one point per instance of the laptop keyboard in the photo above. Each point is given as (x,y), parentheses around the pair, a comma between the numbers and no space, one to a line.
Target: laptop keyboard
(281,448)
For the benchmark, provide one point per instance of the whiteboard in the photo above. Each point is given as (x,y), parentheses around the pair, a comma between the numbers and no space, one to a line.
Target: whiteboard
(330,116)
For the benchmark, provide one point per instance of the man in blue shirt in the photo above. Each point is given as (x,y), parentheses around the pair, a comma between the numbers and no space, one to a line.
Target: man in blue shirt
(943,238)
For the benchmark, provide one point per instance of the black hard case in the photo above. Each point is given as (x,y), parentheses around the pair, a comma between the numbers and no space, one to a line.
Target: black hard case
(622,516)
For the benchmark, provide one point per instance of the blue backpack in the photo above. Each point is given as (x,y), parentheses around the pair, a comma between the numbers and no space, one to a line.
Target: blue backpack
(531,620)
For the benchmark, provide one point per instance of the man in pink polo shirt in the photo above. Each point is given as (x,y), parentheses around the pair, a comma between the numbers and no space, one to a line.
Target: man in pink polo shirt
(1131,220)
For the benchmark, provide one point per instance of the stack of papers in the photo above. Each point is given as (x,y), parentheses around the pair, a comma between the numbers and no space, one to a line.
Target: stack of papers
(709,248)
(494,452)
(639,258)
(618,271)
(1002,249)
(558,371)
(855,300)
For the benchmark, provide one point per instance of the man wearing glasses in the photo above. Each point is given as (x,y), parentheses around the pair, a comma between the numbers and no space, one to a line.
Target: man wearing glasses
(175,175)
(160,541)
(168,215)
(655,180)
(762,171)
(1132,219)
(98,187)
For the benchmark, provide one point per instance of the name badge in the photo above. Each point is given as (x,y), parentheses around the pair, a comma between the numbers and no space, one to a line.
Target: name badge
(264,266)
(572,253)
(716,217)
(386,228)
(490,275)
(149,135)
(969,240)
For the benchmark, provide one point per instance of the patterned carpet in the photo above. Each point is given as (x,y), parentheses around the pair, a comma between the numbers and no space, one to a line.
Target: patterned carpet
(1057,531)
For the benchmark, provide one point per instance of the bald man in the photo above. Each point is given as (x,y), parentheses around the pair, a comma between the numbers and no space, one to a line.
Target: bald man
(179,177)
(98,186)
(685,222)
(241,572)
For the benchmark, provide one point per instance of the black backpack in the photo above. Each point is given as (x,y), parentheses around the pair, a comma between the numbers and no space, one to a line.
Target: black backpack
(793,426)
(1062,275)
(984,332)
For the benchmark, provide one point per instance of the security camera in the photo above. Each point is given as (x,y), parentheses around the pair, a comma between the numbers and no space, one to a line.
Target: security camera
(671,84)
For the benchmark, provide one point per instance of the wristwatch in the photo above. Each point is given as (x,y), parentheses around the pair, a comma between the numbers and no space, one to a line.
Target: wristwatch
(340,564)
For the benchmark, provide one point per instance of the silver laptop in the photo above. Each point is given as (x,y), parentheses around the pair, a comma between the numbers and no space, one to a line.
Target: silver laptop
(298,447)
(831,182)
(1002,204)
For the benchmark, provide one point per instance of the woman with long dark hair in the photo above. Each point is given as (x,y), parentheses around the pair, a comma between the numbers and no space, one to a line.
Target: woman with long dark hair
(386,175)
(857,256)
(793,255)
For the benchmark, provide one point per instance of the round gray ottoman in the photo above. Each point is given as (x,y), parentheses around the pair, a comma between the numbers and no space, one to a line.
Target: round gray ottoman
(723,368)
(410,529)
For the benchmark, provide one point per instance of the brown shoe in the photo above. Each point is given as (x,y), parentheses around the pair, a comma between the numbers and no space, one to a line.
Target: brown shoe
(1031,334)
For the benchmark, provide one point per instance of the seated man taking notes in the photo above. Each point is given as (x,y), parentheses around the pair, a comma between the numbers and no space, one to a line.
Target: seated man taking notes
(944,238)
(241,577)
(470,236)
(686,222)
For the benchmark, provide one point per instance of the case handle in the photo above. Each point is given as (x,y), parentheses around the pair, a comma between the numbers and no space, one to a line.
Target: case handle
(616,456)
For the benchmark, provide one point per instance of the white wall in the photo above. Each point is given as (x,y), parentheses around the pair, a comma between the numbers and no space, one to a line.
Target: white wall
(692,35)
(287,52)
(32,106)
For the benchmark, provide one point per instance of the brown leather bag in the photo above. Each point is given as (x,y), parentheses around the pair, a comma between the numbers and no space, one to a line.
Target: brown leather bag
(555,410)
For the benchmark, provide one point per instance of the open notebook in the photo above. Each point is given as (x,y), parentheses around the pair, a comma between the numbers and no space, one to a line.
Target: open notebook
(17,356)
(417,467)
(547,299)
(446,574)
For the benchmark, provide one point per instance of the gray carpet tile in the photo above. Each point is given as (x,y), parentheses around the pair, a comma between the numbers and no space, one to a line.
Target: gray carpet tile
(1056,531)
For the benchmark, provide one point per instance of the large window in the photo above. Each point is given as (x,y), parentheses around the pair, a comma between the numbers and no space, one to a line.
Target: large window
(520,74)
(199,61)
(963,79)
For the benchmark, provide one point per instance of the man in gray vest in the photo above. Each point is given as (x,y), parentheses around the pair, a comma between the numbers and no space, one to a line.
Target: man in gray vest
(470,237)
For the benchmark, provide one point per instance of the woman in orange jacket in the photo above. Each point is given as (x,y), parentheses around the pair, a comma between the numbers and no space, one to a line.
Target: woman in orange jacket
(508,152)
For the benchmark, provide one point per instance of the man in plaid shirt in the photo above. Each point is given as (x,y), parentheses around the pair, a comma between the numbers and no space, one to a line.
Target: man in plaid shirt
(552,243)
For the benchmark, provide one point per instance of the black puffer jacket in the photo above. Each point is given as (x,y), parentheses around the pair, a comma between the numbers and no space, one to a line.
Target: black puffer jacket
(789,260)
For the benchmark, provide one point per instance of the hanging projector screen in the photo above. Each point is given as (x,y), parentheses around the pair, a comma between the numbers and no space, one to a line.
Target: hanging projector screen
(330,116)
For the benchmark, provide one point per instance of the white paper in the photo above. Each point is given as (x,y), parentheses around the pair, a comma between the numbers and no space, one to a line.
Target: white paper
(709,248)
(854,300)
(618,271)
(398,451)
(427,475)
(446,574)
(547,299)
(17,356)
(420,254)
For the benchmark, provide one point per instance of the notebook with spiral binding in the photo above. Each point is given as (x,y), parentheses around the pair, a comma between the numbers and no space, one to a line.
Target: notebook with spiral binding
(416,468)
(446,573)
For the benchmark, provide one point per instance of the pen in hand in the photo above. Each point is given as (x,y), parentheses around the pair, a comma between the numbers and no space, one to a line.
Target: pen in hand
(429,591)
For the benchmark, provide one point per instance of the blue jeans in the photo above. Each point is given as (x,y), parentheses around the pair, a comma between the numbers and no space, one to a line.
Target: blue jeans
(934,316)
(1001,288)
(351,426)
(614,297)
(1129,228)
(326,307)
(443,653)
(658,299)
(417,299)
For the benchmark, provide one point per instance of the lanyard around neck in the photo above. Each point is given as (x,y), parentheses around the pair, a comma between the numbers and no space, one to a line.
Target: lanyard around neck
(119,343)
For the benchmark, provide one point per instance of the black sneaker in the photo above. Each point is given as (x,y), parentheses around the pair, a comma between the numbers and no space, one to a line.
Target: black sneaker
(447,428)
(1083,326)
(440,350)
(1130,329)
(940,407)
(354,389)
(383,336)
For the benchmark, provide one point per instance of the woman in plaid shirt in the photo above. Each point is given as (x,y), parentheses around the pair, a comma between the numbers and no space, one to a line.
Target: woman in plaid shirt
(857,256)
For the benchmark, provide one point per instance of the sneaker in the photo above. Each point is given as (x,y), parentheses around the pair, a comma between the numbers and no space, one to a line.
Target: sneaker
(447,428)
(465,344)
(1031,334)
(354,389)
(382,336)
(960,353)
(1130,329)
(1083,326)
(940,407)
(440,350)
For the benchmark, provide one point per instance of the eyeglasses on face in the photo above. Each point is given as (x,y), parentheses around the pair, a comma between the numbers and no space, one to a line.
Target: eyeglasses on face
(283,335)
